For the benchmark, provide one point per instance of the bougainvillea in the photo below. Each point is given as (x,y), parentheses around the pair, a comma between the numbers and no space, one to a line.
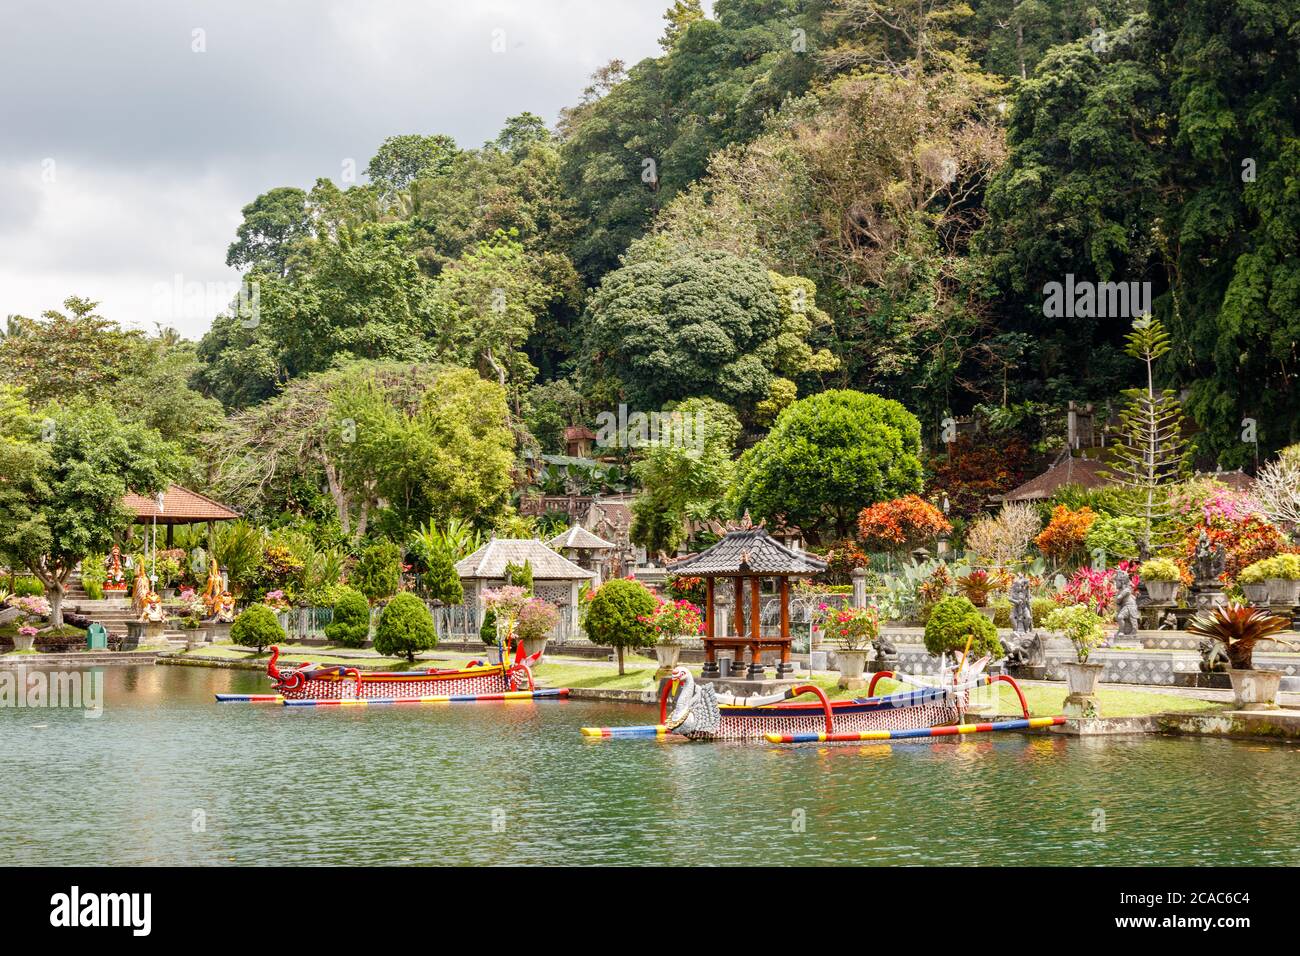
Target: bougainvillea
(901,524)
(1063,538)
(672,619)
(852,628)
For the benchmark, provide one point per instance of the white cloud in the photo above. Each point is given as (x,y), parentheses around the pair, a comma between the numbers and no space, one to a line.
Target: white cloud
(156,148)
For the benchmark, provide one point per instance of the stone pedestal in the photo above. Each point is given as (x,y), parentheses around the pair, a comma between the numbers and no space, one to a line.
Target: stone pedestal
(750,688)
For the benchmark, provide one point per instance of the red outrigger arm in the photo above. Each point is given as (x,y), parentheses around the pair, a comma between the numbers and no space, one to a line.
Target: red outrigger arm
(985,679)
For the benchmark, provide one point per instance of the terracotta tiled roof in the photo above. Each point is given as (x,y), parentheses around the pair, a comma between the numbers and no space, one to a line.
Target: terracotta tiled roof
(180,506)
(489,562)
(579,537)
(750,551)
(1068,470)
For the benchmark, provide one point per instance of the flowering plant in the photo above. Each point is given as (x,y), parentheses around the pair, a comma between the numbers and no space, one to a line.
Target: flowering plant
(537,618)
(690,588)
(28,631)
(671,619)
(32,605)
(276,600)
(852,628)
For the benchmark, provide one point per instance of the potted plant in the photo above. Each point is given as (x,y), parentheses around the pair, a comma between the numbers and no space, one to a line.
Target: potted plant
(977,586)
(537,618)
(1086,630)
(1284,579)
(503,604)
(1253,581)
(1239,628)
(194,636)
(671,621)
(852,629)
(1162,578)
(25,638)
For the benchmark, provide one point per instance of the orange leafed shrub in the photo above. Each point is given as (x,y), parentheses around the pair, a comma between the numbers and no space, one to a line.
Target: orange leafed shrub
(1064,535)
(900,524)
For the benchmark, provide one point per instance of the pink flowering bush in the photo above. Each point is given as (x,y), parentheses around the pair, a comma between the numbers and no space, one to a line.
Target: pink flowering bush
(32,606)
(672,619)
(28,631)
(537,618)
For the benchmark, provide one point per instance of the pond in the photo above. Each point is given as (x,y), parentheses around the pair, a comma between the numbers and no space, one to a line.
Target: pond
(167,776)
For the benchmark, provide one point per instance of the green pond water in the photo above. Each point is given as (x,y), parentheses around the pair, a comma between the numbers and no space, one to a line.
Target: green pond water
(167,776)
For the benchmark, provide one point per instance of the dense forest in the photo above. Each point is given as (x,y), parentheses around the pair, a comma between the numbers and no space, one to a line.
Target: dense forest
(795,197)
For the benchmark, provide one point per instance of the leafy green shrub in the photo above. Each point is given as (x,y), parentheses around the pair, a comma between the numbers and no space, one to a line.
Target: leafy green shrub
(614,616)
(378,572)
(487,631)
(1039,608)
(520,575)
(1160,569)
(405,627)
(954,620)
(1085,628)
(441,582)
(1115,536)
(257,626)
(1001,612)
(28,587)
(351,623)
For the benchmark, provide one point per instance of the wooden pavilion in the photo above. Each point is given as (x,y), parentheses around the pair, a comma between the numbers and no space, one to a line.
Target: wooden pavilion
(748,554)
(175,506)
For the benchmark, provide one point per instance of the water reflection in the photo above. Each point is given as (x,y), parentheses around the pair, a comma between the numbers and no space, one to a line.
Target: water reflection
(167,776)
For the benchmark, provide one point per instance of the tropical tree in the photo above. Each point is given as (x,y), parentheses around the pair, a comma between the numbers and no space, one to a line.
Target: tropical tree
(1149,451)
(61,491)
(827,457)
(615,616)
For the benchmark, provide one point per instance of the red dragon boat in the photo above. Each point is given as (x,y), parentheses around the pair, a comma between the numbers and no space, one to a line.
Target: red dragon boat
(935,708)
(477,682)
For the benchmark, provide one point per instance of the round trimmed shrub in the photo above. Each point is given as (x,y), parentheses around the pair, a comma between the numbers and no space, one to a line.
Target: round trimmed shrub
(613,616)
(351,623)
(955,619)
(405,627)
(257,626)
(487,631)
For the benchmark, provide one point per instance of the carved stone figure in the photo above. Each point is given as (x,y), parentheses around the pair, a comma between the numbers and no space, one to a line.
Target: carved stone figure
(1168,622)
(1126,609)
(140,590)
(226,611)
(1214,659)
(1022,615)
(1208,562)
(1023,650)
(885,649)
(212,590)
(152,611)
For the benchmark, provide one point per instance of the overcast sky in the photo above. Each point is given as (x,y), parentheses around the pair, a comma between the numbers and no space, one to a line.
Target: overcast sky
(132,132)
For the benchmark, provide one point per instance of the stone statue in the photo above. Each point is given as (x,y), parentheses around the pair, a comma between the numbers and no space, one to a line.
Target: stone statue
(885,648)
(1023,649)
(1214,659)
(226,610)
(140,590)
(1168,622)
(1208,562)
(212,590)
(1126,609)
(152,610)
(1022,615)
(114,577)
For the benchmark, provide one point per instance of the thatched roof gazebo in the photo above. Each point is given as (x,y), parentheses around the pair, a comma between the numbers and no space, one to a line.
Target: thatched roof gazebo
(748,554)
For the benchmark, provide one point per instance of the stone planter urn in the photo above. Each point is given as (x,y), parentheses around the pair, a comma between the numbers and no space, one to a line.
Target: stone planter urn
(1162,592)
(668,653)
(24,642)
(988,611)
(1256,593)
(851,665)
(1283,591)
(1081,679)
(195,639)
(1255,689)
(535,645)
